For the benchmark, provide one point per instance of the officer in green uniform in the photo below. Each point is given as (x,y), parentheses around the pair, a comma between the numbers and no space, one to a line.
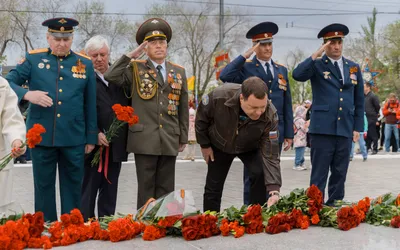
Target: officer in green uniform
(160,98)
(62,93)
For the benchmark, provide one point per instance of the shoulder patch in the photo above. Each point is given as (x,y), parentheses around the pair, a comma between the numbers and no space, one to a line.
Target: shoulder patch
(248,60)
(281,65)
(177,65)
(82,55)
(205,100)
(37,51)
(22,60)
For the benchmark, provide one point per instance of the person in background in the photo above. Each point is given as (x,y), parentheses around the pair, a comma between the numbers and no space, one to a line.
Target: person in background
(23,107)
(372,108)
(389,111)
(190,149)
(103,185)
(361,142)
(300,137)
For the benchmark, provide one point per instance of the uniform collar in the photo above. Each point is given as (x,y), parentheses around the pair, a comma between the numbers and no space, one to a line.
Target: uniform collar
(340,60)
(156,64)
(51,52)
(264,62)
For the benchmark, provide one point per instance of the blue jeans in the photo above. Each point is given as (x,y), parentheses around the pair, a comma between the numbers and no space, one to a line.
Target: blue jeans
(363,148)
(299,159)
(388,134)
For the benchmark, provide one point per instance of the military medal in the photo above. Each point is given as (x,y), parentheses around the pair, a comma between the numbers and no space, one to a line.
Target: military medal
(326,74)
(146,75)
(79,71)
(47,66)
(41,65)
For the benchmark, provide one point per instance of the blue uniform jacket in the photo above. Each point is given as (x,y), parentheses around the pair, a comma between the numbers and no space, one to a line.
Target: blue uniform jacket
(72,119)
(240,69)
(337,108)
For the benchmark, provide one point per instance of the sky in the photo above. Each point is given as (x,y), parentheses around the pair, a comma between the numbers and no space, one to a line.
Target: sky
(294,31)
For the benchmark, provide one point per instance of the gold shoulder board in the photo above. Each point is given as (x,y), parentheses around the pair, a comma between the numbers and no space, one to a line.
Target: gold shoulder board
(177,65)
(280,65)
(83,55)
(249,60)
(37,51)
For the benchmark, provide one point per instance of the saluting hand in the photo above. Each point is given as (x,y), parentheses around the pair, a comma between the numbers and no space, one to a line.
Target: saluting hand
(321,50)
(136,53)
(248,53)
(208,154)
(38,97)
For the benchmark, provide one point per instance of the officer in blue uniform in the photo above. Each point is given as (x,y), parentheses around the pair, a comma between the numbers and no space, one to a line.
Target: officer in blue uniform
(274,74)
(337,114)
(62,93)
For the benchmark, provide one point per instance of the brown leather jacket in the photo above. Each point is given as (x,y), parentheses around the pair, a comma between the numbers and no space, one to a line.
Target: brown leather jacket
(217,122)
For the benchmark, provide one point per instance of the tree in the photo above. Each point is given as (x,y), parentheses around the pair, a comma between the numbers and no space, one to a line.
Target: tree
(300,91)
(93,21)
(196,36)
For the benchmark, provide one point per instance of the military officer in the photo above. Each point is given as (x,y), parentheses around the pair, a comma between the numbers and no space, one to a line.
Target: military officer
(62,93)
(160,98)
(274,74)
(337,114)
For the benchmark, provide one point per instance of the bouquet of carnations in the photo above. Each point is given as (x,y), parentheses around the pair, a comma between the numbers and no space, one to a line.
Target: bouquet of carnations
(33,137)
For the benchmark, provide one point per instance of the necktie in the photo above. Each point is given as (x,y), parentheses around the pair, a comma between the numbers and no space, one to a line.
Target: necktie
(269,76)
(159,67)
(338,71)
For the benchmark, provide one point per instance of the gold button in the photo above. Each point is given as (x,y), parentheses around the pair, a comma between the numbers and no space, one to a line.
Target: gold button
(60,90)
(61,78)
(61,59)
(340,108)
(341,99)
(61,66)
(59,103)
(58,115)
(270,91)
(341,90)
(338,118)
(160,114)
(160,126)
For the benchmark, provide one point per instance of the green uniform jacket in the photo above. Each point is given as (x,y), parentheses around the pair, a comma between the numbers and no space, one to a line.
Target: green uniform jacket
(163,120)
(72,119)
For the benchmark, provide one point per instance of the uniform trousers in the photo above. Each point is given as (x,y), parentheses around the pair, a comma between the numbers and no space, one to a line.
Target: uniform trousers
(246,182)
(330,153)
(95,185)
(155,176)
(218,170)
(70,162)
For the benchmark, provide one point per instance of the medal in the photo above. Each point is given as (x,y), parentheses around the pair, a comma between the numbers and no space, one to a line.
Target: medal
(41,65)
(146,75)
(47,66)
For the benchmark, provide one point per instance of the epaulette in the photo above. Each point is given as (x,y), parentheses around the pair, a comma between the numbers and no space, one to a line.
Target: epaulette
(177,65)
(82,55)
(140,61)
(37,51)
(249,60)
(280,64)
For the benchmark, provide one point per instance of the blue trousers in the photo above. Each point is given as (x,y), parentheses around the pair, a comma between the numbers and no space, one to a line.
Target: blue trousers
(388,135)
(330,152)
(247,183)
(363,148)
(299,159)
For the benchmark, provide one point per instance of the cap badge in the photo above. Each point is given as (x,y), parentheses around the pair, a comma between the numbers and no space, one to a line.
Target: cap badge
(154,21)
(62,21)
(336,33)
(62,29)
(156,32)
(266,35)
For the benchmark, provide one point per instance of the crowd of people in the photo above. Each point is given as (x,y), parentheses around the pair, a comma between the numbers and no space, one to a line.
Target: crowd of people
(250,116)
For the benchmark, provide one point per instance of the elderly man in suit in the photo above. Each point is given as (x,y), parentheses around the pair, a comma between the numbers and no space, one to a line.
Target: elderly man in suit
(102,180)
(12,127)
(337,115)
(160,98)
(62,93)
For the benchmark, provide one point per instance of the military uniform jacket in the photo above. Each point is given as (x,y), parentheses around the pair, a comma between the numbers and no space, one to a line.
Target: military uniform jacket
(162,108)
(71,83)
(240,69)
(217,124)
(337,108)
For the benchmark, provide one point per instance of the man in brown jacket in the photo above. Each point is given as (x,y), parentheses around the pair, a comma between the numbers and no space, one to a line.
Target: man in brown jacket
(159,96)
(239,120)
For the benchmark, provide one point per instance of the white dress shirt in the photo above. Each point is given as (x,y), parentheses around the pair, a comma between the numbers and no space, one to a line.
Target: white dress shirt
(163,69)
(340,64)
(102,77)
(263,63)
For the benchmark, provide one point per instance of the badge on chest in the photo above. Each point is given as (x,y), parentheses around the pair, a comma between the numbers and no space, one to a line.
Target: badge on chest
(79,71)
(175,81)
(282,82)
